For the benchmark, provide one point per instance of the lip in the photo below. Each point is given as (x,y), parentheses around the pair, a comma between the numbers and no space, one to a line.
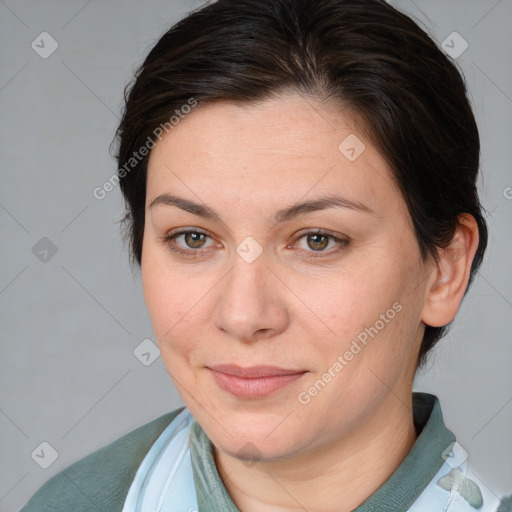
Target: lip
(253,371)
(253,382)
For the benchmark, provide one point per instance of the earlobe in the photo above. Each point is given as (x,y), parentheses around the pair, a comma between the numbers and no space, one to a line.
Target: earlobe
(450,275)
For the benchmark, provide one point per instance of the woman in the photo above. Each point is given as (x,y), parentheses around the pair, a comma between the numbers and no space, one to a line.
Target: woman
(300,181)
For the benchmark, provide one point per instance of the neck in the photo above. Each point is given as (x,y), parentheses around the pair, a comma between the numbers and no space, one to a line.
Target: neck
(337,478)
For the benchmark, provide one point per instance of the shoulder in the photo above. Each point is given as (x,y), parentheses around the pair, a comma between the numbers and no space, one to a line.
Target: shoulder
(100,481)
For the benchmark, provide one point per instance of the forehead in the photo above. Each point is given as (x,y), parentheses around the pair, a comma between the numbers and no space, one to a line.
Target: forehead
(288,125)
(283,148)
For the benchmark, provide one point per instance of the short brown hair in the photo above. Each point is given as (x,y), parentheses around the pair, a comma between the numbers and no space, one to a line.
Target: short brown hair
(363,54)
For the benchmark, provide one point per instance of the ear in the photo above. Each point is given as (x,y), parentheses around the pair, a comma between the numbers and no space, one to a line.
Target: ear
(450,275)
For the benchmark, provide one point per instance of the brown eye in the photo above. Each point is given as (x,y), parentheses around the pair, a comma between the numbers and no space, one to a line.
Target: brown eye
(320,243)
(189,243)
(317,242)
(194,240)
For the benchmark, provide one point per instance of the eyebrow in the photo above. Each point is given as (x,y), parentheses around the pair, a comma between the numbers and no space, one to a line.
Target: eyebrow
(283,215)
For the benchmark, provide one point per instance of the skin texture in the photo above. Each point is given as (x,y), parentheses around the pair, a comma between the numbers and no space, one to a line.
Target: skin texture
(287,309)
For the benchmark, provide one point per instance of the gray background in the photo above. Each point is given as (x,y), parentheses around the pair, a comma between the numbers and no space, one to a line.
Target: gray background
(70,324)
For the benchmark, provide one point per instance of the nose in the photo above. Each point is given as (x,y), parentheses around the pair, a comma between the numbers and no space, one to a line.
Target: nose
(252,302)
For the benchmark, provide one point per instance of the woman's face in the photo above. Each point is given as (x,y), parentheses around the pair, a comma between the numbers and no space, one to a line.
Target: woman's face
(333,290)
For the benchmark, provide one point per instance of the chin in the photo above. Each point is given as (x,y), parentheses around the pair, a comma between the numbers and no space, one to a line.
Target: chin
(252,452)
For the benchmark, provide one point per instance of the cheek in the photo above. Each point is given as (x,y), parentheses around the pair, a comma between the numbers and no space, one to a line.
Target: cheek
(178,300)
(167,296)
(354,298)
(168,307)
(370,305)
(164,304)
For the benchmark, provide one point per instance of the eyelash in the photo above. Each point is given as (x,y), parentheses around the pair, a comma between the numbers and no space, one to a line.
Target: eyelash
(195,253)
